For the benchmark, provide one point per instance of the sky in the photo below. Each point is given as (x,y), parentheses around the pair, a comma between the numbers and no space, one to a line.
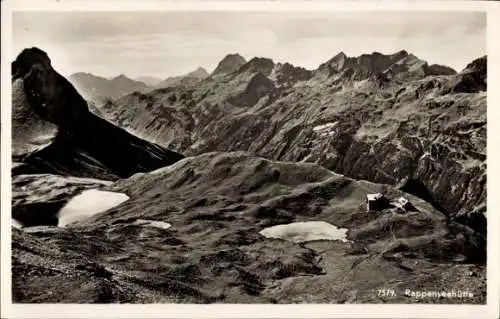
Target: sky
(164,44)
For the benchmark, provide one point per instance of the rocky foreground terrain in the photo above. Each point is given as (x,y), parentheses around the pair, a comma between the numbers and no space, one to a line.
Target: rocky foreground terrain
(266,144)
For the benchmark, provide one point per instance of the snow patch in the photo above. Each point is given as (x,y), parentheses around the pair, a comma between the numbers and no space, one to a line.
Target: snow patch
(361,84)
(16,224)
(305,159)
(425,155)
(87,204)
(306,231)
(152,223)
(324,127)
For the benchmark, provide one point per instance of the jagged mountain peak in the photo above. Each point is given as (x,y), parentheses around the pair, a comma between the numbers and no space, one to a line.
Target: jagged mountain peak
(198,73)
(372,63)
(81,143)
(477,65)
(122,77)
(260,61)
(471,79)
(340,55)
(400,64)
(229,64)
(399,55)
(286,74)
(46,90)
(334,64)
(233,56)
(438,69)
(27,58)
(258,64)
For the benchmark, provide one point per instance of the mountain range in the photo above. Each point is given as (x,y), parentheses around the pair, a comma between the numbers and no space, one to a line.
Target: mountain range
(99,89)
(150,81)
(394,113)
(189,78)
(253,184)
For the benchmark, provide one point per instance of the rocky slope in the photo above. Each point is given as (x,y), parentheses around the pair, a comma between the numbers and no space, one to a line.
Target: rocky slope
(63,136)
(99,90)
(216,205)
(390,119)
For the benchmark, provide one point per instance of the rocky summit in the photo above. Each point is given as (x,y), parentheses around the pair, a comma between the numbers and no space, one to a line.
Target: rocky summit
(260,182)
(76,142)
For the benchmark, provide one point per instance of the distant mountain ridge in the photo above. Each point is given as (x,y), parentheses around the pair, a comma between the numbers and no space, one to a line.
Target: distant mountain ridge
(393,66)
(148,80)
(191,77)
(99,89)
(400,65)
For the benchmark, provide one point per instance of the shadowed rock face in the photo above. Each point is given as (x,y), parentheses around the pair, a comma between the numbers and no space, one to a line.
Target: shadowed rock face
(472,78)
(287,75)
(85,145)
(382,118)
(29,131)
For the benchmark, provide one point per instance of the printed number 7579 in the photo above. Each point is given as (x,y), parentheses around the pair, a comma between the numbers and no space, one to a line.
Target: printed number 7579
(386,293)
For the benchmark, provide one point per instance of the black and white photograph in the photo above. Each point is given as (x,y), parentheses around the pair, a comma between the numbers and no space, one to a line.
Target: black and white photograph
(248,157)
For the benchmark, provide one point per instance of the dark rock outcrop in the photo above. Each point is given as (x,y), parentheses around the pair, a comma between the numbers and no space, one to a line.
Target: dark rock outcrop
(85,145)
(259,86)
(471,79)
(437,69)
